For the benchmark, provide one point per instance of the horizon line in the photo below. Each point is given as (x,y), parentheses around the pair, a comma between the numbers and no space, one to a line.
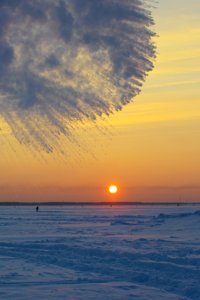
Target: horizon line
(87,203)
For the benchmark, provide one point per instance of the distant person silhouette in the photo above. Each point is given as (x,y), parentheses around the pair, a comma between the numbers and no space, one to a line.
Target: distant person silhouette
(37,208)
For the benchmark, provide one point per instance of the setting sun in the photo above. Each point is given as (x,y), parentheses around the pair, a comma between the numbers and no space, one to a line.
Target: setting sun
(113,189)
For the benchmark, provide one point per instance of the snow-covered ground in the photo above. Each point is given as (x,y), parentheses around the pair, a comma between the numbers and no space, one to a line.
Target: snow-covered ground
(100,252)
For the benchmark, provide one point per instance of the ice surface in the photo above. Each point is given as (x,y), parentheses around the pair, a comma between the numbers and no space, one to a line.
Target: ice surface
(100,252)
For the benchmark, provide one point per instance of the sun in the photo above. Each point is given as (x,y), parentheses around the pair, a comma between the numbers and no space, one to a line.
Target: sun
(113,189)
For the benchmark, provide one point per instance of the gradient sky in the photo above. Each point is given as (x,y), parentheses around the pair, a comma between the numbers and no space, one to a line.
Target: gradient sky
(151,148)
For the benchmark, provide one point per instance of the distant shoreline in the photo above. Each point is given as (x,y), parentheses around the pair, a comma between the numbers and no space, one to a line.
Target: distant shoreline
(103,203)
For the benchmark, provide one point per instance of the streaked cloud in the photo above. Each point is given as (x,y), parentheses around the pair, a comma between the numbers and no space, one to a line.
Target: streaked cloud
(63,61)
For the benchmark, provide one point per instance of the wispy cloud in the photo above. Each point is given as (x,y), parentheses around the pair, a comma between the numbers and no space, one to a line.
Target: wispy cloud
(63,61)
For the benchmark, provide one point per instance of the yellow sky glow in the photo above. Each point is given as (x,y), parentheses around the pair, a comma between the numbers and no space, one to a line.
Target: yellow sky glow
(153,142)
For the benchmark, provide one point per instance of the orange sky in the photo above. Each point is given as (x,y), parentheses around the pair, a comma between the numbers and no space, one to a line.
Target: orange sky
(151,148)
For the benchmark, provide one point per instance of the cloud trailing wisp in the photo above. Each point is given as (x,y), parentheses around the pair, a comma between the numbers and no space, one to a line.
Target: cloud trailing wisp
(63,61)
